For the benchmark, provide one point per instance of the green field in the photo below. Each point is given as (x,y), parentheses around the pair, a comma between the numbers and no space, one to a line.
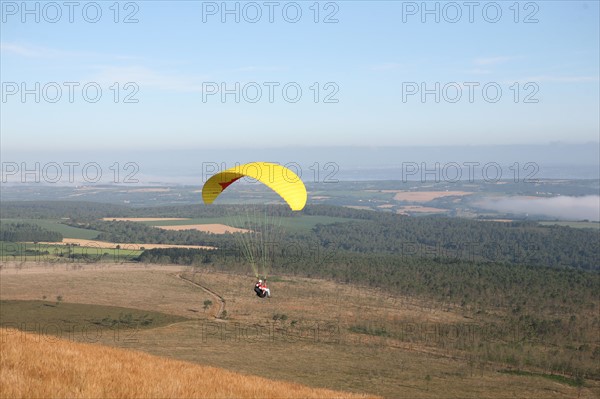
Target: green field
(49,252)
(58,226)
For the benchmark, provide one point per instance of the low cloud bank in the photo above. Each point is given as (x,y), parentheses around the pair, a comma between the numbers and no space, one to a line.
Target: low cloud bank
(563,207)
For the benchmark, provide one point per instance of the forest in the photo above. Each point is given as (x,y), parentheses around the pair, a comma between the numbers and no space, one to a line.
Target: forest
(27,232)
(523,243)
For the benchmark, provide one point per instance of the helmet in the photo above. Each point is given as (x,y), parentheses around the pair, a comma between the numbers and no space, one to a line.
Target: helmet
(260,281)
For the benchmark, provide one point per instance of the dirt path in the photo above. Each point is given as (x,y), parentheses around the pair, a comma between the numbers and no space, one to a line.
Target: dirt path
(209,291)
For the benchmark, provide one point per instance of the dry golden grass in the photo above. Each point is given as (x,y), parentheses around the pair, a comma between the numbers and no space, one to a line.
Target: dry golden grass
(208,228)
(42,367)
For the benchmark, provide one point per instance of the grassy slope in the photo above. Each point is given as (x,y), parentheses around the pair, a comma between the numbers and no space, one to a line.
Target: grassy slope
(320,350)
(33,367)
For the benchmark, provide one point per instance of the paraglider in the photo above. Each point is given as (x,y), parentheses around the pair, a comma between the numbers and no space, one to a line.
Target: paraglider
(261,289)
(263,229)
(278,178)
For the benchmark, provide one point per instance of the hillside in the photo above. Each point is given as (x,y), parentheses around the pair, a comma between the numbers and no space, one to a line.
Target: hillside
(43,366)
(313,332)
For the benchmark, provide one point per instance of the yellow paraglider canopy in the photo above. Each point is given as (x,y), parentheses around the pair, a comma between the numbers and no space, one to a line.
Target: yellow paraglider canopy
(280,179)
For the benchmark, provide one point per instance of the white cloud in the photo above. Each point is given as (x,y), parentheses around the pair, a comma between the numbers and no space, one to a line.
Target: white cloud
(561,79)
(553,79)
(563,207)
(387,66)
(259,69)
(492,60)
(107,73)
(27,50)
(479,71)
(148,78)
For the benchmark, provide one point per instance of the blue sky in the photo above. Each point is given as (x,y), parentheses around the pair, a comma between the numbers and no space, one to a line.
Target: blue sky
(367,61)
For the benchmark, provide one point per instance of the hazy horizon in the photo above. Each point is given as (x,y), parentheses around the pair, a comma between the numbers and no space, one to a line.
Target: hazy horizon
(449,163)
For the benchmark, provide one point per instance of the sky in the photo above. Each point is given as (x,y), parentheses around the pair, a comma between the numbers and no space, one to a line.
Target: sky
(184,75)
